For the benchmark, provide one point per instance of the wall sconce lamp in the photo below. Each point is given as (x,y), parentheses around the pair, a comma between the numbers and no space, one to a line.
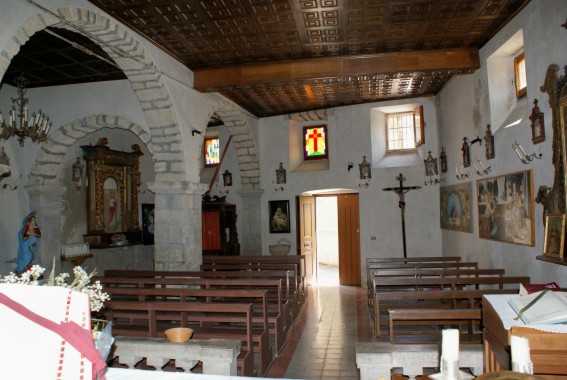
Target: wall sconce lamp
(193,131)
(474,141)
(365,173)
(481,169)
(462,175)
(280,178)
(432,171)
(77,175)
(523,156)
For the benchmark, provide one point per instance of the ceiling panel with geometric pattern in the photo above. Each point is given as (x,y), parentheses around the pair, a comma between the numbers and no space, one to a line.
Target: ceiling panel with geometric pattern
(360,50)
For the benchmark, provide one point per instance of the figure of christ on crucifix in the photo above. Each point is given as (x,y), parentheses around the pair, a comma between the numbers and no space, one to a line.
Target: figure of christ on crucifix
(401,191)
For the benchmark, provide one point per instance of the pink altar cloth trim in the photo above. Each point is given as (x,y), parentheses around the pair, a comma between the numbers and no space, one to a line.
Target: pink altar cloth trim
(77,337)
(500,304)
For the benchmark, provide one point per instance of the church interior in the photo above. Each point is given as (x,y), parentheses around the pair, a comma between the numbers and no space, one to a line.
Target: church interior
(148,136)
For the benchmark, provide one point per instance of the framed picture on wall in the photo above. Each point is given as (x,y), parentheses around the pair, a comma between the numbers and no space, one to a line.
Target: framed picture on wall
(148,223)
(456,207)
(506,208)
(279,216)
(554,235)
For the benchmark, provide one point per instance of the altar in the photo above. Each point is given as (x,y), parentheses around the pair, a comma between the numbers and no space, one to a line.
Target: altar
(548,343)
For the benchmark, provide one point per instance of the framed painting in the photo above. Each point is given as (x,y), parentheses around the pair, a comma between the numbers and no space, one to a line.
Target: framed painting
(279,216)
(148,224)
(554,235)
(456,207)
(506,208)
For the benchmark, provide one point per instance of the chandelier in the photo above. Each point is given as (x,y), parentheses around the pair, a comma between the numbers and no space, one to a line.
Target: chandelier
(19,124)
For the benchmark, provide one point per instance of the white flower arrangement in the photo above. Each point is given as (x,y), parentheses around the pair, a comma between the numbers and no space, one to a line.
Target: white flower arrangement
(80,283)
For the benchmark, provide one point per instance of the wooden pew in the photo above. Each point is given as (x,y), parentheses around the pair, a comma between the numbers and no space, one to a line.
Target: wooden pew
(276,282)
(298,260)
(447,299)
(374,267)
(419,259)
(273,322)
(297,284)
(441,317)
(154,317)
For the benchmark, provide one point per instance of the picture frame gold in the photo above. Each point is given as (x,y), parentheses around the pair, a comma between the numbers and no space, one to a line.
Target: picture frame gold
(554,235)
(506,208)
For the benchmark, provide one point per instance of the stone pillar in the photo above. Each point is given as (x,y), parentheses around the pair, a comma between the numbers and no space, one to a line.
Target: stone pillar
(46,202)
(177,237)
(250,235)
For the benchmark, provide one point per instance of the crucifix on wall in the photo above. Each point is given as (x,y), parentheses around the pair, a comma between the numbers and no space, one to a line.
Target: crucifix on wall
(401,191)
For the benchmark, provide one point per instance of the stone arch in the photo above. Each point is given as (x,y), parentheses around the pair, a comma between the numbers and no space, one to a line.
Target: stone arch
(147,82)
(45,168)
(245,145)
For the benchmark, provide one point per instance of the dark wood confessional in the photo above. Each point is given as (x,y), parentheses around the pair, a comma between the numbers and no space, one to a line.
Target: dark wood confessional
(219,228)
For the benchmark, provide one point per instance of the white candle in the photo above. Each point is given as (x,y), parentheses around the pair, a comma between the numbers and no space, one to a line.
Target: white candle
(456,170)
(450,345)
(522,149)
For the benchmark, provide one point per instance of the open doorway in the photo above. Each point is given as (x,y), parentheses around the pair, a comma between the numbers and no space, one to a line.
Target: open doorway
(338,222)
(327,235)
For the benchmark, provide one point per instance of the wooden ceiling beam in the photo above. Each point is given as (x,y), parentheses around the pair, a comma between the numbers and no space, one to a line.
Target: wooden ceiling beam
(372,64)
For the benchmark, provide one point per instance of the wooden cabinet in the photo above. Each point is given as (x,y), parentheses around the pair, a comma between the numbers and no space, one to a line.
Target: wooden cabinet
(548,350)
(220,236)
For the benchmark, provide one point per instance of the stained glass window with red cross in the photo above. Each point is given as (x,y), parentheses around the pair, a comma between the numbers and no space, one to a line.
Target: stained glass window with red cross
(212,152)
(315,142)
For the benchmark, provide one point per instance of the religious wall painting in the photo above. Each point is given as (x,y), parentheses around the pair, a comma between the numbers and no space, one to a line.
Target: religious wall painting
(148,223)
(537,124)
(279,216)
(506,209)
(112,209)
(554,235)
(430,164)
(457,207)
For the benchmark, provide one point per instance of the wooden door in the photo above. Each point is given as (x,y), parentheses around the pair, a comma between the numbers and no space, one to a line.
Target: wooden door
(307,236)
(349,239)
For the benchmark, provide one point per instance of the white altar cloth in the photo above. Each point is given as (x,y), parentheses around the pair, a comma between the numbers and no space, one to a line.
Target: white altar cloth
(500,303)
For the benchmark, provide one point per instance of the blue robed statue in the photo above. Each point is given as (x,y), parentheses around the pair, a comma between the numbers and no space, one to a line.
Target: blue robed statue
(28,237)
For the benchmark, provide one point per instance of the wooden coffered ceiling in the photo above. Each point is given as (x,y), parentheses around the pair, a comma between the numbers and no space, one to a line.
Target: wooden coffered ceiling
(276,57)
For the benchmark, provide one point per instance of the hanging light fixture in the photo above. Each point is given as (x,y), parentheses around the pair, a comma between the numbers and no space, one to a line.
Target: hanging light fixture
(19,124)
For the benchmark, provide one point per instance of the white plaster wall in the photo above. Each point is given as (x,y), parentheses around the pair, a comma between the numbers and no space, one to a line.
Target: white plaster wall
(349,139)
(464,111)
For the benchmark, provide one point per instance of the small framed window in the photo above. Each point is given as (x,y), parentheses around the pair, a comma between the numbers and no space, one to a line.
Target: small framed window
(315,142)
(401,132)
(212,152)
(520,75)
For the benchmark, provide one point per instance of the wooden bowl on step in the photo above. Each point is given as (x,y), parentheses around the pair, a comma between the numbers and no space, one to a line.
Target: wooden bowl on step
(178,334)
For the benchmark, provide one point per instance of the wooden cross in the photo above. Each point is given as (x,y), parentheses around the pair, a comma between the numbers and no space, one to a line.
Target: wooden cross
(401,191)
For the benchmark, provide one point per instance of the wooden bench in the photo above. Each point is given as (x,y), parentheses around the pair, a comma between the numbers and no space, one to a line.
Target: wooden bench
(372,268)
(424,273)
(277,296)
(297,284)
(298,260)
(152,318)
(284,275)
(272,321)
(395,300)
(441,317)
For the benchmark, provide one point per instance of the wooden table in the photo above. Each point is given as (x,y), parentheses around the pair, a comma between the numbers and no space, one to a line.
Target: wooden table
(548,350)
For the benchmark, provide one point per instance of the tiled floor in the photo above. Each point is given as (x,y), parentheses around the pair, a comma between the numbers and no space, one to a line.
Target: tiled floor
(322,344)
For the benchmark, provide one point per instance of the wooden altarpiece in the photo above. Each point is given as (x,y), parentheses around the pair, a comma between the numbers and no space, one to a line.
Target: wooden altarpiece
(553,199)
(112,195)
